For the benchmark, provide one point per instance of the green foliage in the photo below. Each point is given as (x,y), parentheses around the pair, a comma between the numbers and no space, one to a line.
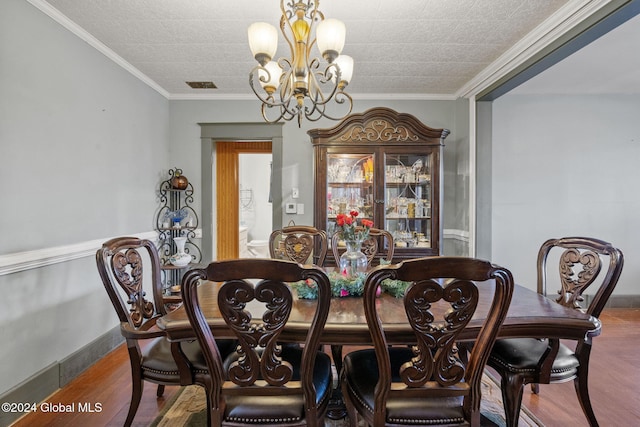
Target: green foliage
(344,286)
(397,288)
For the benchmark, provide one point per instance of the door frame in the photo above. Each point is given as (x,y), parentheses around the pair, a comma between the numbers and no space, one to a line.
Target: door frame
(210,134)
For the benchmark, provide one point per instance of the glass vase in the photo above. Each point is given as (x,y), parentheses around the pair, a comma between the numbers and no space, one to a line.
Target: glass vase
(353,261)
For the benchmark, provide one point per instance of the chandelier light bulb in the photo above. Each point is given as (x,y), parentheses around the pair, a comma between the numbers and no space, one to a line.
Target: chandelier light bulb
(345,63)
(330,36)
(270,79)
(263,41)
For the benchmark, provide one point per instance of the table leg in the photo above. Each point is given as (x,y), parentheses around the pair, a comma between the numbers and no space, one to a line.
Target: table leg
(337,409)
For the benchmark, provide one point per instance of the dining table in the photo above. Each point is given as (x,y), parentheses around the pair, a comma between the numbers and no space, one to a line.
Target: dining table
(530,315)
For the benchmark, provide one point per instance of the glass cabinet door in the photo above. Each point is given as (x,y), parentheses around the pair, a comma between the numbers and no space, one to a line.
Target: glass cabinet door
(408,196)
(349,187)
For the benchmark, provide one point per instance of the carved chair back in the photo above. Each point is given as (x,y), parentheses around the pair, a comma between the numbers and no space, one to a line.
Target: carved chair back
(300,243)
(372,247)
(439,304)
(260,368)
(122,264)
(580,262)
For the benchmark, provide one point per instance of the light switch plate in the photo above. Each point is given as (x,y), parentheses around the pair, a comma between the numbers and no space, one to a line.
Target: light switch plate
(300,210)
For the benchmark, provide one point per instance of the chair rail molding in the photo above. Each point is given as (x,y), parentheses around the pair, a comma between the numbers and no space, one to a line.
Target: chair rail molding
(22,261)
(452,233)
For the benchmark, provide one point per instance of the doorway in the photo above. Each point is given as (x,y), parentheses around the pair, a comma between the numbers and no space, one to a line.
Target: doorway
(228,192)
(256,207)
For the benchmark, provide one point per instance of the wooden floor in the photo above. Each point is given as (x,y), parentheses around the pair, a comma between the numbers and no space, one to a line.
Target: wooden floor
(614,387)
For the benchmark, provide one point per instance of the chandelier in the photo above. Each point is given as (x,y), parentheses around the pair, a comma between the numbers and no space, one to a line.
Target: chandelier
(301,85)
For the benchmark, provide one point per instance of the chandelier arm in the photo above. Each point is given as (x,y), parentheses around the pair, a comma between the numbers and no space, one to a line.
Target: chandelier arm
(318,97)
(340,98)
(287,96)
(286,13)
(285,21)
(264,115)
(269,99)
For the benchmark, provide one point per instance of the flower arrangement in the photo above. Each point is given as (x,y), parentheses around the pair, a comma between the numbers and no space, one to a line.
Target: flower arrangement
(343,285)
(348,227)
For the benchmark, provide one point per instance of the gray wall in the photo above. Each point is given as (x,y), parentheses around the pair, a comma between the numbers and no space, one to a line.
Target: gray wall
(565,166)
(83,145)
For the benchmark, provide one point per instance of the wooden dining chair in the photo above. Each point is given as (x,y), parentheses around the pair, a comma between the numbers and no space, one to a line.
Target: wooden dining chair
(123,263)
(521,361)
(263,383)
(427,383)
(300,243)
(373,247)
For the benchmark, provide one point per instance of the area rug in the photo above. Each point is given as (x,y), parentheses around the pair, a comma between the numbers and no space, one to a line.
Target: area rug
(188,409)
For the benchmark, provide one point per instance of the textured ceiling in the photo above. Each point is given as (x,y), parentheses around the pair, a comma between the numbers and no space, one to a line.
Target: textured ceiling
(401,48)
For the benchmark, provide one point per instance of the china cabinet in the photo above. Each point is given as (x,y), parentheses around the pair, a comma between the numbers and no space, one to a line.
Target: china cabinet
(176,222)
(387,166)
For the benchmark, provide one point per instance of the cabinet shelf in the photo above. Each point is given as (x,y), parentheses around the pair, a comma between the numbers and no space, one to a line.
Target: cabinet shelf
(404,184)
(349,184)
(188,228)
(397,218)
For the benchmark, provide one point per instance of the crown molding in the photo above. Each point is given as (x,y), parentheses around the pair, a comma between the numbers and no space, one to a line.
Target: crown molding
(55,14)
(560,23)
(355,97)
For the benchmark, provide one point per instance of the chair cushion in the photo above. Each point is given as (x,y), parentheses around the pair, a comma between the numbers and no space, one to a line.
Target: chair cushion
(521,355)
(158,362)
(361,374)
(281,409)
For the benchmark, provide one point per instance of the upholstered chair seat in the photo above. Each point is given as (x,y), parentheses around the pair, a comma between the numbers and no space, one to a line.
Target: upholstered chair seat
(280,408)
(524,354)
(158,363)
(361,375)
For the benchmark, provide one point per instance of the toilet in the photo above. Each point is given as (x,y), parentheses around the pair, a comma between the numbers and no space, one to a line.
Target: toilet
(259,248)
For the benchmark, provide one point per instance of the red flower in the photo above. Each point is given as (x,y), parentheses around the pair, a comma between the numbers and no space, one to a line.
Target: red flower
(344,293)
(347,225)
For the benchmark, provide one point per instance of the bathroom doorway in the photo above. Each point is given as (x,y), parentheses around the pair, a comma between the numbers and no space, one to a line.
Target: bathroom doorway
(228,197)
(256,207)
